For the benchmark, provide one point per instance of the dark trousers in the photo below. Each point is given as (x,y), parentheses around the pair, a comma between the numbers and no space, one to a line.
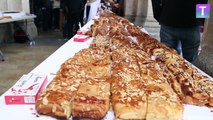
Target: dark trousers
(188,37)
(72,24)
(56,17)
(46,19)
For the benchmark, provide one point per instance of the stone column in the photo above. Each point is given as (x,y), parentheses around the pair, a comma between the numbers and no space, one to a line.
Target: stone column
(136,11)
(205,59)
(26,6)
(14,5)
(142,9)
(130,9)
(3,5)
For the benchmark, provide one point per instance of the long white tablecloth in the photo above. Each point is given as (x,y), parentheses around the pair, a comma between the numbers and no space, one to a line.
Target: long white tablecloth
(52,64)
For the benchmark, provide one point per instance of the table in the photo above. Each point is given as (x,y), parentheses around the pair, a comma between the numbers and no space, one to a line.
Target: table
(52,64)
(24,17)
(15,19)
(48,66)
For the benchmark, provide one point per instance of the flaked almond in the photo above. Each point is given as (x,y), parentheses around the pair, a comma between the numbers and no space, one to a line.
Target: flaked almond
(134,94)
(72,88)
(89,82)
(103,87)
(88,109)
(129,99)
(163,97)
(54,108)
(140,103)
(45,101)
(108,93)
(63,84)
(122,100)
(123,94)
(141,93)
(82,98)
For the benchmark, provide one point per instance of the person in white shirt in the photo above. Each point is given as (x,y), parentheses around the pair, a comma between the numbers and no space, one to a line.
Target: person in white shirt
(94,5)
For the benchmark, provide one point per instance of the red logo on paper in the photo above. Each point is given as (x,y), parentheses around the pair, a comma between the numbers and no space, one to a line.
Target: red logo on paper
(23,90)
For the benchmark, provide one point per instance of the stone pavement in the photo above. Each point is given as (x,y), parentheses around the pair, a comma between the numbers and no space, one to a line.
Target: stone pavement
(22,58)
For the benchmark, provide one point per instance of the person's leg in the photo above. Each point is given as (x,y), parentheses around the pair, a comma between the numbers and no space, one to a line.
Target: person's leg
(82,17)
(65,29)
(190,43)
(72,23)
(77,20)
(50,18)
(57,13)
(70,26)
(168,37)
(87,12)
(121,8)
(179,47)
(45,16)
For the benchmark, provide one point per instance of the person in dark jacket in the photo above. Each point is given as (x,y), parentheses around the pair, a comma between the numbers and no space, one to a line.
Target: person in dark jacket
(179,25)
(73,12)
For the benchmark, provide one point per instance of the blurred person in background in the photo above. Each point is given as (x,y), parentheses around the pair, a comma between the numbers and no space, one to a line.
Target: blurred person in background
(117,6)
(46,14)
(63,20)
(56,12)
(120,11)
(93,8)
(179,25)
(73,10)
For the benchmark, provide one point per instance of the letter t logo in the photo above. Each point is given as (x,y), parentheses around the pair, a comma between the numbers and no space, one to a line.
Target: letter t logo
(202,11)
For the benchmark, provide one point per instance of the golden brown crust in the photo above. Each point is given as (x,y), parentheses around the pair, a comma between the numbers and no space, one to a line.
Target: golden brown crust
(55,104)
(91,100)
(56,99)
(163,110)
(91,66)
(163,104)
(147,79)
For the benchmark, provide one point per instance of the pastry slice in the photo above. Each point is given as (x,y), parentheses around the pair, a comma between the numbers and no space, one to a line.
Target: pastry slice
(163,103)
(92,100)
(56,99)
(129,100)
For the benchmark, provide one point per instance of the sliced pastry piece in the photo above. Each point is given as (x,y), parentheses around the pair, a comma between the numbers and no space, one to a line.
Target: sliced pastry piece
(92,100)
(163,103)
(129,100)
(56,99)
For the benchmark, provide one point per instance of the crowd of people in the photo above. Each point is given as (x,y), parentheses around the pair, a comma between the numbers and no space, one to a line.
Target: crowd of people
(180,29)
(67,15)
(63,15)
